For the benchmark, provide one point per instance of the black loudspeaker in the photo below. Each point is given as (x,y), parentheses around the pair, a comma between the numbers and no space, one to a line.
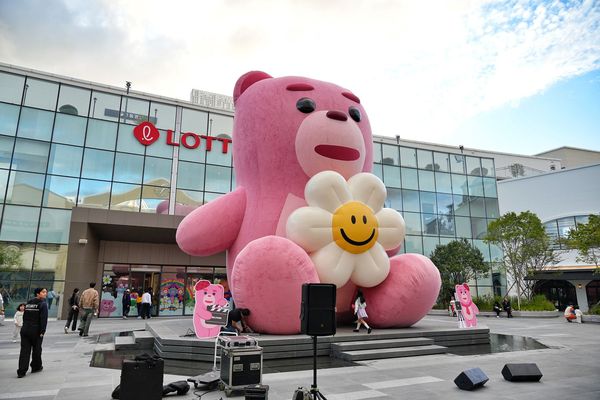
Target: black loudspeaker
(471,379)
(317,314)
(142,378)
(522,372)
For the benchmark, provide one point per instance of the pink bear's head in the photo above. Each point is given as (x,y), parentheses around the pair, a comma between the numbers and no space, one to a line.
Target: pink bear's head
(209,294)
(107,306)
(464,294)
(288,129)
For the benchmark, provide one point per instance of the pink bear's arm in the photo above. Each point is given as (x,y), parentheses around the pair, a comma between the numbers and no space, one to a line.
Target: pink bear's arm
(204,314)
(213,227)
(475,309)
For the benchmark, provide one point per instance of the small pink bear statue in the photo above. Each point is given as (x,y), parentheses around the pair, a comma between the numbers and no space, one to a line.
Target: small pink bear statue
(206,296)
(469,309)
(107,307)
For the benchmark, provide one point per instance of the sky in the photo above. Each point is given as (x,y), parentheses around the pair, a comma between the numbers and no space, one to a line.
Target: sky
(513,76)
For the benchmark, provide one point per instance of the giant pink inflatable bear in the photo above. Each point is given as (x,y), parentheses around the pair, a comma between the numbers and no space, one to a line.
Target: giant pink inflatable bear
(286,130)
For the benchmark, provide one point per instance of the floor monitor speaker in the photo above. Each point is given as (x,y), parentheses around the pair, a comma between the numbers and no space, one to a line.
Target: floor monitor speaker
(317,314)
(522,372)
(471,379)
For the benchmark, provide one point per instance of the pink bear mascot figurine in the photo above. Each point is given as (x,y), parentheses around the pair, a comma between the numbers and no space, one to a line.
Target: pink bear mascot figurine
(286,131)
(207,295)
(469,309)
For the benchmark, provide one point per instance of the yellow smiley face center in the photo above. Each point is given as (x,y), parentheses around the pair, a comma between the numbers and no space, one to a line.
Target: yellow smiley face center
(355,228)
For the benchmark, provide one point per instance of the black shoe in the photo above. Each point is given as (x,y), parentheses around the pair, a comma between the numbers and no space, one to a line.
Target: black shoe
(20,375)
(369,330)
(33,371)
(80,333)
(85,335)
(355,330)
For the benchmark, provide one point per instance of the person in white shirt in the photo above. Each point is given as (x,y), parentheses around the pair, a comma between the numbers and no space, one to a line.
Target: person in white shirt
(1,310)
(18,321)
(146,304)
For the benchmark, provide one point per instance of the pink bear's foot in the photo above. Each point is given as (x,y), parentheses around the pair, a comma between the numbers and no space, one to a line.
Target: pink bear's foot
(406,295)
(267,278)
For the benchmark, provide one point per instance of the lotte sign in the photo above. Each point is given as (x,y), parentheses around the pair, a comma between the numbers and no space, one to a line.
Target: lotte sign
(146,133)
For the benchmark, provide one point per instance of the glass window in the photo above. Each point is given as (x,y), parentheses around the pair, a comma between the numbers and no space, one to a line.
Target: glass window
(196,155)
(11,87)
(410,199)
(408,157)
(20,271)
(425,159)
(413,244)
(194,121)
(35,124)
(582,219)
(446,223)
(25,188)
(134,111)
(475,186)
(491,208)
(93,194)
(211,196)
(477,206)
(495,253)
(127,142)
(19,223)
(442,162)
(473,166)
(50,262)
(394,199)
(378,171)
(65,160)
(459,184)
(479,227)
(69,129)
(428,203)
(444,204)
(190,175)
(3,184)
(391,175)
(97,164)
(6,149)
(75,101)
(489,187)
(9,115)
(413,223)
(153,197)
(54,226)
(162,115)
(105,106)
(457,163)
(487,167)
(125,197)
(426,181)
(377,152)
(461,205)
(220,125)
(216,155)
(41,94)
(565,225)
(160,148)
(430,224)
(157,171)
(101,134)
(60,192)
(429,245)
(30,155)
(443,182)
(218,179)
(484,248)
(189,198)
(390,155)
(463,227)
(171,292)
(128,168)
(409,178)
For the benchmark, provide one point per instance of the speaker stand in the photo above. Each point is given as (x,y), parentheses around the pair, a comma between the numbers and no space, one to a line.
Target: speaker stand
(314,390)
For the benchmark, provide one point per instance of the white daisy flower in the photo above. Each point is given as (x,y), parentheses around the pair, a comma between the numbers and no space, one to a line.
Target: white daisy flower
(345,228)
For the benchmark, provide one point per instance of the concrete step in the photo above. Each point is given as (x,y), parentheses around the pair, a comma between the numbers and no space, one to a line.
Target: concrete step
(144,339)
(380,344)
(125,343)
(374,354)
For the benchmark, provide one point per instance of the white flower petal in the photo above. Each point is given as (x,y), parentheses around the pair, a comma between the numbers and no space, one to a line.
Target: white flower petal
(369,189)
(310,228)
(327,190)
(391,228)
(333,264)
(372,267)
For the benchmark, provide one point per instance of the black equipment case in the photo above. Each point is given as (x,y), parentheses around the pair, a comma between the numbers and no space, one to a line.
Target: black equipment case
(142,378)
(241,367)
(256,392)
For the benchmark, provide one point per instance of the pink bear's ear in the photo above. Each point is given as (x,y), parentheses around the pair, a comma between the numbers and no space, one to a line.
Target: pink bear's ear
(202,284)
(247,80)
(466,286)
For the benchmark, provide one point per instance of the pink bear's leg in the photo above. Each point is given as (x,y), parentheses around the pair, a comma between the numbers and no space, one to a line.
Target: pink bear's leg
(406,295)
(267,278)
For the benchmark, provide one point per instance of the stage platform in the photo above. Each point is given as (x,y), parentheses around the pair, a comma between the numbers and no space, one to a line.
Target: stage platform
(425,337)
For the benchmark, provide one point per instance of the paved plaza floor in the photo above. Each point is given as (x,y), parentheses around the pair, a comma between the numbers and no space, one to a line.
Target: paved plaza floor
(571,368)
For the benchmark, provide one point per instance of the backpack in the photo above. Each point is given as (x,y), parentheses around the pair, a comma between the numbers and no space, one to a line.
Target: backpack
(302,394)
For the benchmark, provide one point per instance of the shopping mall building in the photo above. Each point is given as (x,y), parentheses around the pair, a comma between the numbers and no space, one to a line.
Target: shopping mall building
(84,200)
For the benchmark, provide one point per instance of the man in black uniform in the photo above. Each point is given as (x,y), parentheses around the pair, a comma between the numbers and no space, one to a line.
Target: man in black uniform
(35,319)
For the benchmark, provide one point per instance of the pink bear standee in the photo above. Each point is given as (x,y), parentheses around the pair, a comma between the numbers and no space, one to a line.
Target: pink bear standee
(207,294)
(286,130)
(469,309)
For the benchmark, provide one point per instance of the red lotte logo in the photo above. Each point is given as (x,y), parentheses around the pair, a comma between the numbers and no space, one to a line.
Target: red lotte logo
(146,133)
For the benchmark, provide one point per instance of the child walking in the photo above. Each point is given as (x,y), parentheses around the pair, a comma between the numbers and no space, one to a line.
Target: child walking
(360,309)
(18,321)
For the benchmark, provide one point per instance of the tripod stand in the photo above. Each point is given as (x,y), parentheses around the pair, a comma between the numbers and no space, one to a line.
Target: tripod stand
(314,390)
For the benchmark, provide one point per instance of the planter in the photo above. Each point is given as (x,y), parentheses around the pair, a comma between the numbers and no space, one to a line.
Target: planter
(591,318)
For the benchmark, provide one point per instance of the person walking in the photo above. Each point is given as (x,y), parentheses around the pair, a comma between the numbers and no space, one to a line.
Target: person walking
(18,321)
(360,310)
(126,303)
(35,319)
(89,303)
(146,304)
(73,311)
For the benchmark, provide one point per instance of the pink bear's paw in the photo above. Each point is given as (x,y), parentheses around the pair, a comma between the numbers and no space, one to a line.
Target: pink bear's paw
(406,295)
(267,278)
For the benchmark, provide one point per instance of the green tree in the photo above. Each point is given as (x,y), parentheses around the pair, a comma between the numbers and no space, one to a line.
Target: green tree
(457,262)
(10,257)
(586,240)
(525,246)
